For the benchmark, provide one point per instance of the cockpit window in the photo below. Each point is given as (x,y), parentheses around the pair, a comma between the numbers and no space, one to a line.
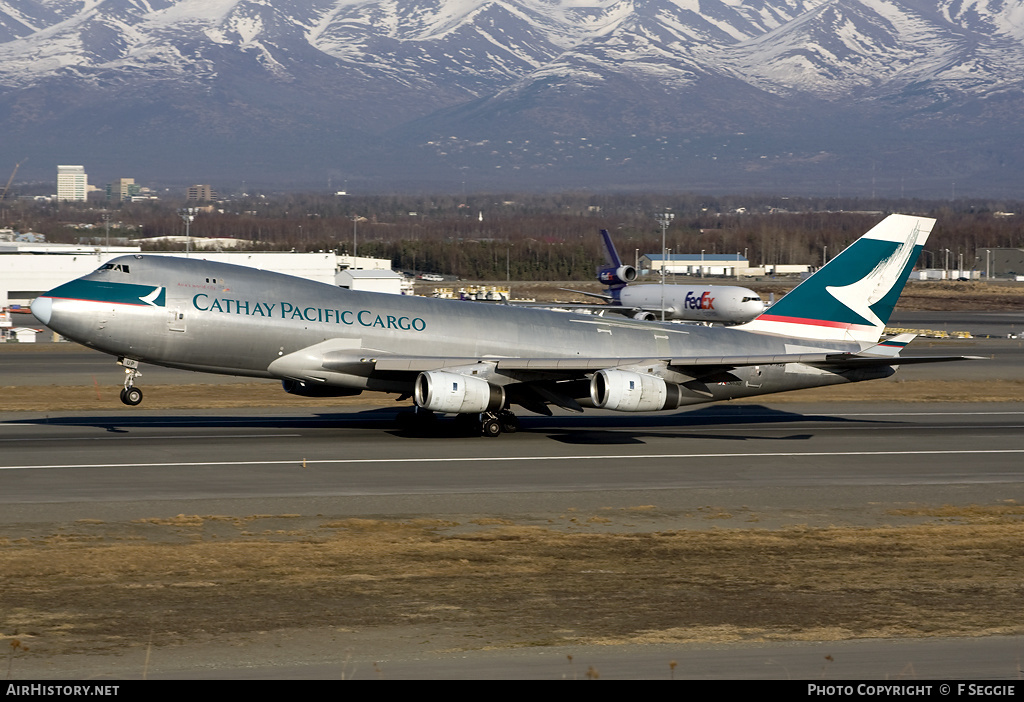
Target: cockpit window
(123,267)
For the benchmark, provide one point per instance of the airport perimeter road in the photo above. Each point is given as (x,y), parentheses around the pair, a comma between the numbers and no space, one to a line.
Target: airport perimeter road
(835,456)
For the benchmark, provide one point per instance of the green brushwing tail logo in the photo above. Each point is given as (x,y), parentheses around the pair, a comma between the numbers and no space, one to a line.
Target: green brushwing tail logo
(862,296)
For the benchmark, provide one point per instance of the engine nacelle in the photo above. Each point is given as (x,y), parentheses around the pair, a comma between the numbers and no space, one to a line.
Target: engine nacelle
(645,316)
(616,275)
(455,393)
(304,389)
(626,391)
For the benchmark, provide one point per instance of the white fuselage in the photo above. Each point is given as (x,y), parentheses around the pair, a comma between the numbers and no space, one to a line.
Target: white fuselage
(727,304)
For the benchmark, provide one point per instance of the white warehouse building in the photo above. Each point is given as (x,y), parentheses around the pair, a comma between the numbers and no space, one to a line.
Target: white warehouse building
(27,270)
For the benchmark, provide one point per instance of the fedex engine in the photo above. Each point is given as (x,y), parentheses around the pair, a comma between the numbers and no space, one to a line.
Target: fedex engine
(616,275)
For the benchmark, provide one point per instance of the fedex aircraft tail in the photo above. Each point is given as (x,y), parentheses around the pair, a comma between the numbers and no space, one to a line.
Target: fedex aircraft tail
(615,274)
(853,295)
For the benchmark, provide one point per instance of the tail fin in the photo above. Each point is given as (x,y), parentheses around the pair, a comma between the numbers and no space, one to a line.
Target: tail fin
(853,295)
(611,255)
(615,274)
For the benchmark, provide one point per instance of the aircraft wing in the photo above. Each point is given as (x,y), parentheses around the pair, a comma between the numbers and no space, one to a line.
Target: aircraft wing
(599,296)
(575,367)
(618,309)
(600,308)
(535,383)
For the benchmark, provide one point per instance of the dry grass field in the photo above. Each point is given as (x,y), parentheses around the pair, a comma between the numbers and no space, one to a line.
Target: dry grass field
(97,586)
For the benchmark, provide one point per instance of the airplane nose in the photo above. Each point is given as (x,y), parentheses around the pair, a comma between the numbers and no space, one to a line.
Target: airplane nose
(42,309)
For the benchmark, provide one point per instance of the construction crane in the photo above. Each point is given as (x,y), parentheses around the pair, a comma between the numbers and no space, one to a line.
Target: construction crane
(11,179)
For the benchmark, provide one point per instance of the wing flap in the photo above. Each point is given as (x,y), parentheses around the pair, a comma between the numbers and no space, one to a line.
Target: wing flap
(418,364)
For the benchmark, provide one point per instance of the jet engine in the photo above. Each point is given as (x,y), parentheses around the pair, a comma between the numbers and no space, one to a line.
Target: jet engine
(616,275)
(626,391)
(645,316)
(441,391)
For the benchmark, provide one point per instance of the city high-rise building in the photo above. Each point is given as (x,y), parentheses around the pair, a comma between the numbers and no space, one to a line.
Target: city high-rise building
(122,189)
(201,193)
(72,183)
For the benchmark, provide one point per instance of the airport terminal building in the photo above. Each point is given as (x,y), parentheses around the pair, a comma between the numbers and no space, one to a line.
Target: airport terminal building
(698,264)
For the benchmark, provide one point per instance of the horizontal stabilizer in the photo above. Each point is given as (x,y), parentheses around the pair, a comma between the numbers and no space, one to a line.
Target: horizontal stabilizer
(889,347)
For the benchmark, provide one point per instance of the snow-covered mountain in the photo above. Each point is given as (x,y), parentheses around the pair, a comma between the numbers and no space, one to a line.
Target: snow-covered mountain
(575,92)
(876,48)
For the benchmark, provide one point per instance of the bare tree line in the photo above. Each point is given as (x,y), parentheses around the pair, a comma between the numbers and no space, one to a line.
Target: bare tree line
(536,237)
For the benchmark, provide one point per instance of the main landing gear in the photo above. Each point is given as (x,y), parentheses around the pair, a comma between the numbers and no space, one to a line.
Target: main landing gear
(131,395)
(496,423)
(483,424)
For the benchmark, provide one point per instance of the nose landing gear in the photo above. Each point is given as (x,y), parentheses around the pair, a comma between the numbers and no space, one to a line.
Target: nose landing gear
(131,395)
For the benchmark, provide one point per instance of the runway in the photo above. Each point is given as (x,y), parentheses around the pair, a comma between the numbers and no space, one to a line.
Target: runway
(785,463)
(212,455)
(818,465)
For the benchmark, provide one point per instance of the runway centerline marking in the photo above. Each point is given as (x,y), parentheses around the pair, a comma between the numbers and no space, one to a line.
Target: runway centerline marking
(510,459)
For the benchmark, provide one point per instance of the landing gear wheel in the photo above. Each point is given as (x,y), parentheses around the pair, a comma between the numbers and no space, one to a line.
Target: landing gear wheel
(491,427)
(131,396)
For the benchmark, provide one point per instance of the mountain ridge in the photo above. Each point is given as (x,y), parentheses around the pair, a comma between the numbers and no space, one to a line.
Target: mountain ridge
(381,91)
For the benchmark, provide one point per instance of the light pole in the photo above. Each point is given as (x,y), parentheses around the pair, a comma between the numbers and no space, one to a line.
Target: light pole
(187,215)
(355,239)
(106,222)
(664,219)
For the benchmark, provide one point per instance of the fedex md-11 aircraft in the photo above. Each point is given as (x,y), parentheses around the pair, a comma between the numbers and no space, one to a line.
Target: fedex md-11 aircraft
(479,360)
(722,304)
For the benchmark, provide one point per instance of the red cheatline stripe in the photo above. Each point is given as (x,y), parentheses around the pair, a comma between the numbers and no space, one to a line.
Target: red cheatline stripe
(812,322)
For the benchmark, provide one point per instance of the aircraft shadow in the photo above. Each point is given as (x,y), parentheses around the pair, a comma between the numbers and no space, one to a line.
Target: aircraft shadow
(631,429)
(371,419)
(622,428)
(585,429)
(598,438)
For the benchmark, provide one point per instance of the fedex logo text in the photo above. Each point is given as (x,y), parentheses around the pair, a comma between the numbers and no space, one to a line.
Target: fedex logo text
(699,302)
